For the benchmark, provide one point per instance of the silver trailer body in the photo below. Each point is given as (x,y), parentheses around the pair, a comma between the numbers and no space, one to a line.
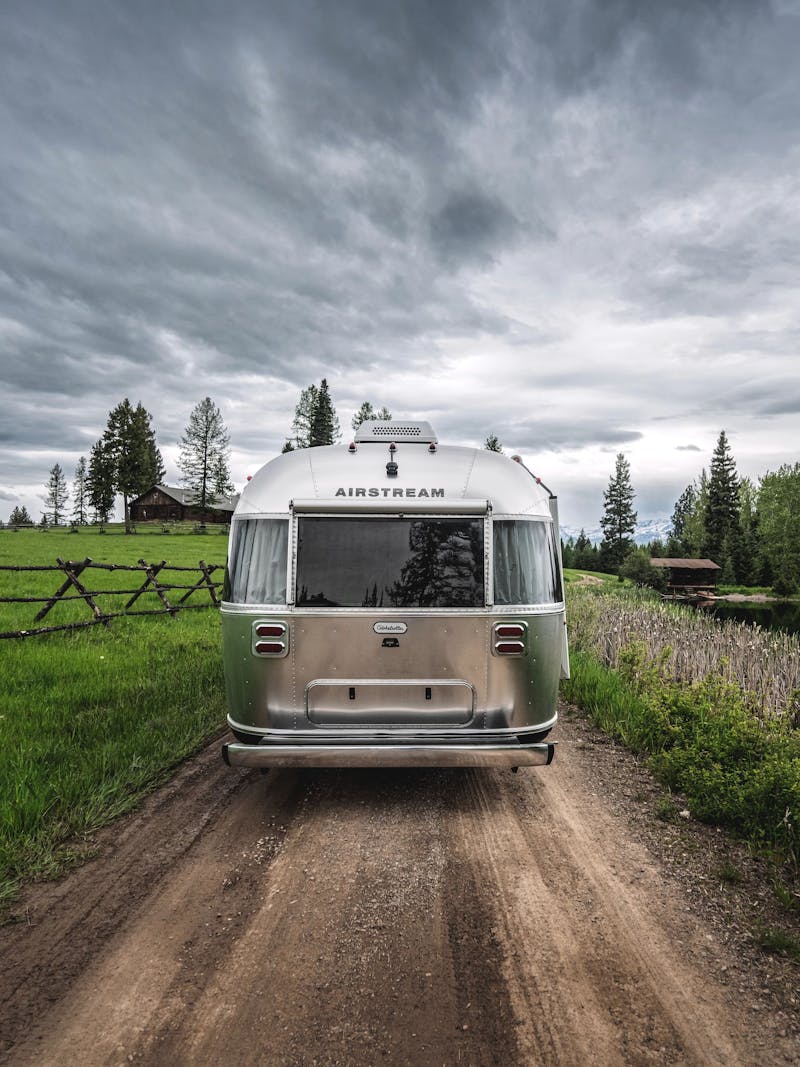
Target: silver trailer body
(393,603)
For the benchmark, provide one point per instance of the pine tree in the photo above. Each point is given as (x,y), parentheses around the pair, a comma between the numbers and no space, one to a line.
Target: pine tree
(778,508)
(367,413)
(205,451)
(315,421)
(747,546)
(100,482)
(20,517)
(568,553)
(324,423)
(583,555)
(721,520)
(684,506)
(130,442)
(491,444)
(694,523)
(304,416)
(619,519)
(152,471)
(56,496)
(80,494)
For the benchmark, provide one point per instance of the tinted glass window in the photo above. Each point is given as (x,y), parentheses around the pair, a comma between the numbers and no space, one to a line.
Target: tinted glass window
(390,563)
(525,563)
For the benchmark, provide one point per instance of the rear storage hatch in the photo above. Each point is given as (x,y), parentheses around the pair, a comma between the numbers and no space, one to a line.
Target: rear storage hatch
(389,703)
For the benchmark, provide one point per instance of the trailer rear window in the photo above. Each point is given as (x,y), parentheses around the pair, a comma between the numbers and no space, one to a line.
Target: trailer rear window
(257,562)
(362,562)
(526,567)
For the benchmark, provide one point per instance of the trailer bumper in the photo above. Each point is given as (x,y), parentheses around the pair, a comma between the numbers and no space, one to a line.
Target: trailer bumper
(411,754)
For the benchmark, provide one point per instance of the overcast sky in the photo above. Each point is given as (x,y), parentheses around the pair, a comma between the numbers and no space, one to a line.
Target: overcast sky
(572,224)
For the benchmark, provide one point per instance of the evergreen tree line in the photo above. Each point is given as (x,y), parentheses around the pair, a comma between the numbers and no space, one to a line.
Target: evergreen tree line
(750,530)
(316,422)
(126,461)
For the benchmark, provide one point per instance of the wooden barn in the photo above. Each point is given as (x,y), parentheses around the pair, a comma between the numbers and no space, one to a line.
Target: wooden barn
(688,577)
(165,503)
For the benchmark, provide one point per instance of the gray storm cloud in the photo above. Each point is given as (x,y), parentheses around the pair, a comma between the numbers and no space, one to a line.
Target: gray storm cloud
(575,225)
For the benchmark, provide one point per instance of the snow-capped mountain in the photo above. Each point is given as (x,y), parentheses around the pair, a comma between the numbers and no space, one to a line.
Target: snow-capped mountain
(646,530)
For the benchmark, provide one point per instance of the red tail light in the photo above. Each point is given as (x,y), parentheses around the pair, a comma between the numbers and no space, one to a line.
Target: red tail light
(509,648)
(270,638)
(270,648)
(510,638)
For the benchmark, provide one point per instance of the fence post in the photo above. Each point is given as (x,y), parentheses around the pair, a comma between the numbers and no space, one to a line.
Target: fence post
(72,570)
(205,580)
(151,570)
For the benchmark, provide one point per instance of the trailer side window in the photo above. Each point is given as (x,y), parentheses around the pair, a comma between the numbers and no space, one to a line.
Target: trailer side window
(525,563)
(390,563)
(257,566)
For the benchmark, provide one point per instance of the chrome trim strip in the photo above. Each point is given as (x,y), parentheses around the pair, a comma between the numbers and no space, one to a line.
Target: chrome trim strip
(435,682)
(465,735)
(238,755)
(498,611)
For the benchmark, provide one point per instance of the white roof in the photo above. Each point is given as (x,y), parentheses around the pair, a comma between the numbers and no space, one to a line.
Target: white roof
(333,473)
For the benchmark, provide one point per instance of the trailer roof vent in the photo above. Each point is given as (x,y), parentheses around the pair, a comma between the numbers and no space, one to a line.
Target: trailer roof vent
(386,430)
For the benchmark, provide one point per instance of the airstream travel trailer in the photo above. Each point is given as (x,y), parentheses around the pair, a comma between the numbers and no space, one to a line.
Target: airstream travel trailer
(393,602)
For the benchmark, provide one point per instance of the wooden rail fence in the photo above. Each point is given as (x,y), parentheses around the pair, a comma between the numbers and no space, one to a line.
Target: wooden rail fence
(73,588)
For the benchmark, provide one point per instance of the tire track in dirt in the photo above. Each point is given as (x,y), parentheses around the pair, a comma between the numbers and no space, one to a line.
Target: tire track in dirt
(347,955)
(329,946)
(591,973)
(357,917)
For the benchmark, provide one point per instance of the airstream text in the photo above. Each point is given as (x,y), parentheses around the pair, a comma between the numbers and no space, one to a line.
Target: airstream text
(399,491)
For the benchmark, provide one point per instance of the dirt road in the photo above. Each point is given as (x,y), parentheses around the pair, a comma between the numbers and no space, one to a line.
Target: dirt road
(374,917)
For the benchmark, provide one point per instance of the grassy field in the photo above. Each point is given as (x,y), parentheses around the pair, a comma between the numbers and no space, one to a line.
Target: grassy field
(572,575)
(715,707)
(90,720)
(37,548)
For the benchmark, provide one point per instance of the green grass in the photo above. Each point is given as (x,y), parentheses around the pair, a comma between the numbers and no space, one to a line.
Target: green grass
(91,720)
(573,575)
(703,740)
(778,943)
(666,809)
(715,708)
(37,548)
(729,874)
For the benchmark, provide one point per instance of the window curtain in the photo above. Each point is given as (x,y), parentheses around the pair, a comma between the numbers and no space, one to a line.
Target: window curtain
(525,563)
(258,561)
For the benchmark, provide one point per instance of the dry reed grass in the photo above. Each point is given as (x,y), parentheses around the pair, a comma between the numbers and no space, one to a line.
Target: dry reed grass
(766,664)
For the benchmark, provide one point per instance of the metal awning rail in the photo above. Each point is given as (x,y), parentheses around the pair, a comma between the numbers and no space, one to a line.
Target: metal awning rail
(390,506)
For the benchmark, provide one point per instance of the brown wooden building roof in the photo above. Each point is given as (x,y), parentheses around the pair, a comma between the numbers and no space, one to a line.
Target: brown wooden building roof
(183,497)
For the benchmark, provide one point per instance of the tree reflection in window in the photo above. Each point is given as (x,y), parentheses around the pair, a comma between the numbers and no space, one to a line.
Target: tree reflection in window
(445,568)
(355,561)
